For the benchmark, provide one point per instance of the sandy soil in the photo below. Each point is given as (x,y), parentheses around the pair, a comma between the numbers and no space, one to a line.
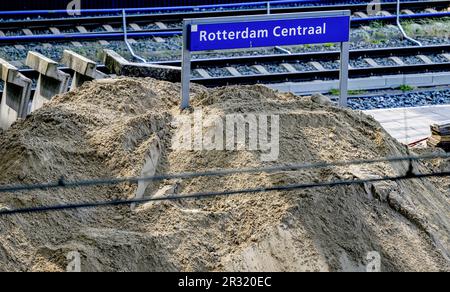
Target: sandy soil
(125,127)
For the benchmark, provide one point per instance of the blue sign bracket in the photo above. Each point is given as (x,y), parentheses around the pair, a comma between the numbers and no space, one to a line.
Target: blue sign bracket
(243,32)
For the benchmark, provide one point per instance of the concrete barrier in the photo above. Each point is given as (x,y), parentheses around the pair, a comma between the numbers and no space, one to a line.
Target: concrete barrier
(84,68)
(16,95)
(51,82)
(120,66)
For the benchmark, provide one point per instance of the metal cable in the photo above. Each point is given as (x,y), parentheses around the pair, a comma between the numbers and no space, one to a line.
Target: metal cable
(204,195)
(399,24)
(62,183)
(125,38)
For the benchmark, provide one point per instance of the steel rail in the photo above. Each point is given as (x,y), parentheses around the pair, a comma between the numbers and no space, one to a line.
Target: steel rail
(177,17)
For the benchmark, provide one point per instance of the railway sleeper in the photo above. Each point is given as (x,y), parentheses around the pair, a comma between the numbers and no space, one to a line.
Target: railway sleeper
(120,66)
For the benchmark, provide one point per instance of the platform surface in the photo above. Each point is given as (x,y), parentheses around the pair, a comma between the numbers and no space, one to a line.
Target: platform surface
(409,125)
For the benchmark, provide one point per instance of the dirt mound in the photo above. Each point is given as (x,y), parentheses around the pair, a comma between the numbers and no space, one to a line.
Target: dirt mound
(126,127)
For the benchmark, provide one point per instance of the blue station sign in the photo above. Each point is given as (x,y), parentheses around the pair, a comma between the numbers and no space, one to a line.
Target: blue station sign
(266,33)
(271,30)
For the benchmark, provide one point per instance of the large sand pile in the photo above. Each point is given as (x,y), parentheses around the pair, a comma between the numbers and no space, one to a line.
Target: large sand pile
(124,128)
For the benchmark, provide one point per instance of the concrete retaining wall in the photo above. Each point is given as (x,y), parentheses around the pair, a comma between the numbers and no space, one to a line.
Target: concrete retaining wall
(371,83)
(84,68)
(51,82)
(16,95)
(120,66)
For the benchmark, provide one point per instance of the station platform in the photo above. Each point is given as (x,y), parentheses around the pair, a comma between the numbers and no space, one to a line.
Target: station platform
(409,125)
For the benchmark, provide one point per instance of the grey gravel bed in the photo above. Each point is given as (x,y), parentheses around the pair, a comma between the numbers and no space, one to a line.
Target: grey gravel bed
(195,74)
(14,33)
(68,30)
(174,25)
(218,72)
(359,63)
(412,60)
(41,31)
(247,70)
(438,59)
(171,46)
(96,29)
(331,65)
(411,99)
(237,53)
(275,68)
(303,67)
(384,62)
(150,26)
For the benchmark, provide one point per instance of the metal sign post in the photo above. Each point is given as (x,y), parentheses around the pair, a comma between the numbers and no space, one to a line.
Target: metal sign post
(225,33)
(343,77)
(186,66)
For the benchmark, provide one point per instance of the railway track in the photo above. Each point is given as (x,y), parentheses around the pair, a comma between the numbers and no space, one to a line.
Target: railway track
(314,56)
(165,25)
(370,57)
(330,74)
(319,72)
